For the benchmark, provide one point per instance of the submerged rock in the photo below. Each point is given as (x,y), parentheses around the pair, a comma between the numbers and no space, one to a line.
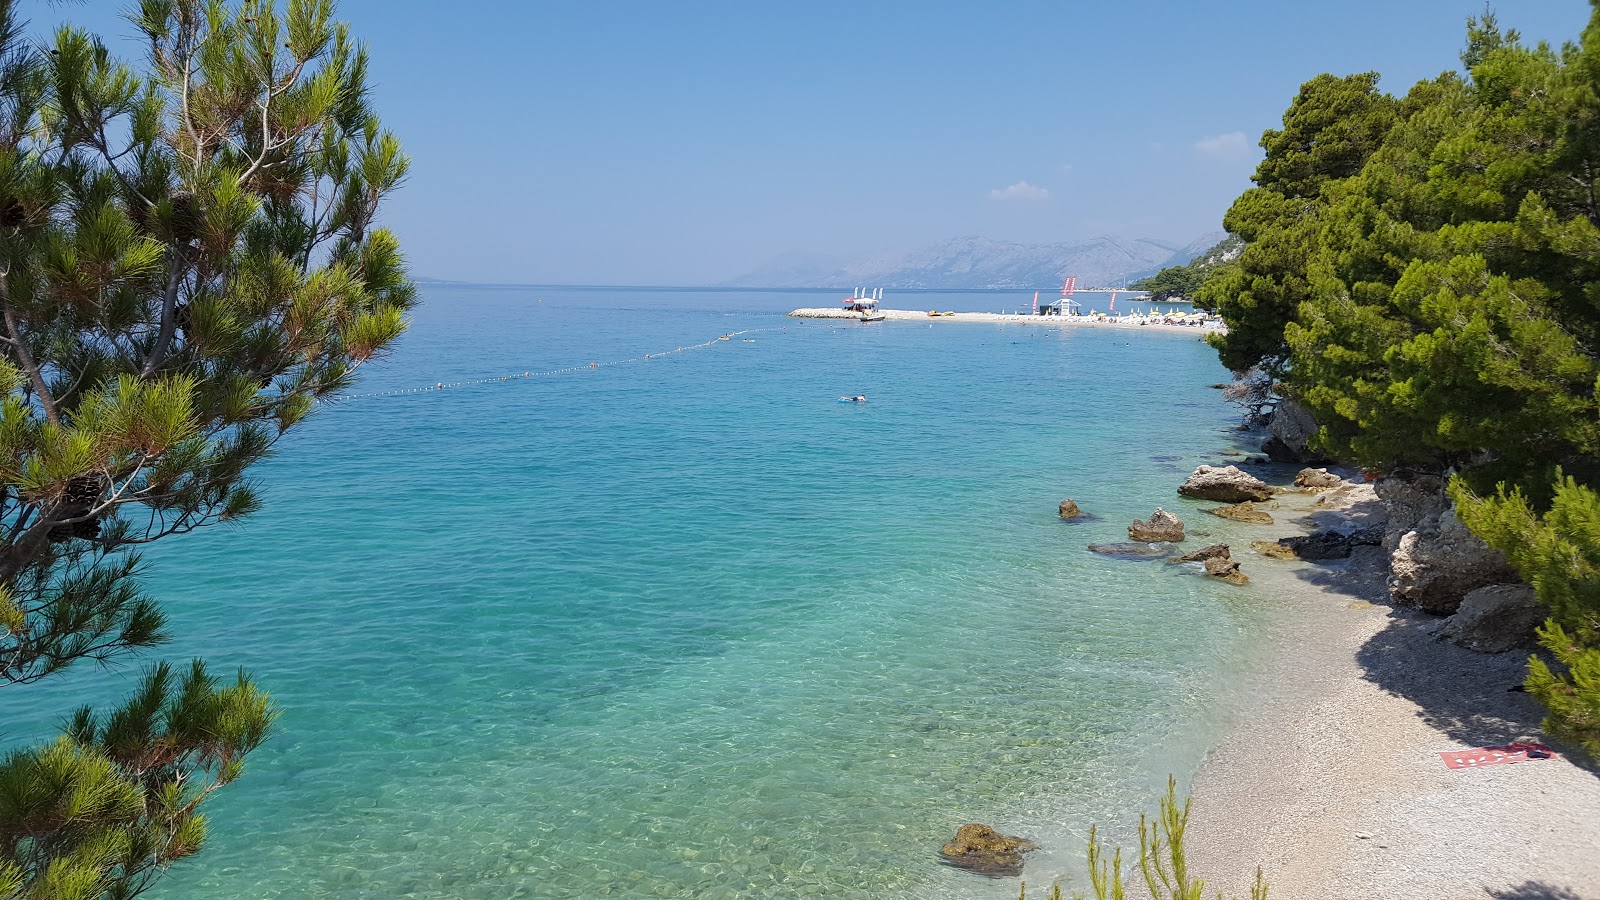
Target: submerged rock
(1162,526)
(1069,509)
(1134,550)
(1227,484)
(1496,618)
(1246,512)
(981,849)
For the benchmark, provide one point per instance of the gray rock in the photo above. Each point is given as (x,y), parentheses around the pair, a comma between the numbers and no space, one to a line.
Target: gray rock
(1225,484)
(1496,619)
(1440,562)
(1409,501)
(1069,509)
(1162,526)
(1226,569)
(1292,427)
(1331,544)
(1132,550)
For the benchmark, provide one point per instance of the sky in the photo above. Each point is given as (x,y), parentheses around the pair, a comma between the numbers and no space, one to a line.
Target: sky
(687,143)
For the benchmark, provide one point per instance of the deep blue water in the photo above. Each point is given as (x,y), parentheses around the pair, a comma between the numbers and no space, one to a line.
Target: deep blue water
(691,627)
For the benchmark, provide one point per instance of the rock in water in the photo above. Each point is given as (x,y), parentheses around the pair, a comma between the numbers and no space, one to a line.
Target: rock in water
(1069,509)
(1226,569)
(1246,512)
(981,849)
(1133,550)
(1330,544)
(1205,553)
(1317,479)
(1497,618)
(1227,484)
(1162,526)
(1292,426)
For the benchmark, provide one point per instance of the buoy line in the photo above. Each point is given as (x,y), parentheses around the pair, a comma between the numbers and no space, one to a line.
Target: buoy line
(517,376)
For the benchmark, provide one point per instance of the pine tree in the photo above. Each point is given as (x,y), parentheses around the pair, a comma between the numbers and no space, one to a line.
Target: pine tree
(189,261)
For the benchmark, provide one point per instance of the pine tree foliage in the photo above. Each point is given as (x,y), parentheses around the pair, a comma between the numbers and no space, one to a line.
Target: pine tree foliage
(1437,306)
(189,260)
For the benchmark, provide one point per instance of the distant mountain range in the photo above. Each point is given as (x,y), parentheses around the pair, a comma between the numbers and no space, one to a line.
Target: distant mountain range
(978,263)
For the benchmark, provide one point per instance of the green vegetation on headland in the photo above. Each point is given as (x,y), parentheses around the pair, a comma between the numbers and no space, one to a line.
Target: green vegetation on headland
(188,263)
(1183,282)
(1423,274)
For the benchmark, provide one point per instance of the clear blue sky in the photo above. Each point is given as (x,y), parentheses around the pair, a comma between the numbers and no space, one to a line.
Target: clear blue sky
(685,143)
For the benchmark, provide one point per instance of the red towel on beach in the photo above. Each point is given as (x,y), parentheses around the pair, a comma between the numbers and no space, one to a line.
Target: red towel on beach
(1494,756)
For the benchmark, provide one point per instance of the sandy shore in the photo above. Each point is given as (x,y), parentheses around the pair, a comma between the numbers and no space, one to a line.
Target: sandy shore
(918,315)
(1331,780)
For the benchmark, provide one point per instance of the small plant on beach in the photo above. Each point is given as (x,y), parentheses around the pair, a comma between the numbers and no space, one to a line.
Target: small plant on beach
(188,263)
(1162,860)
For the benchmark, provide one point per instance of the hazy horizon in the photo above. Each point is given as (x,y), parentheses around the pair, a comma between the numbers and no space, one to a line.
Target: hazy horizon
(686,145)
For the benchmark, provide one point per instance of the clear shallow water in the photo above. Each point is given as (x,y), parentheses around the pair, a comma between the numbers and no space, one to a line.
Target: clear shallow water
(693,628)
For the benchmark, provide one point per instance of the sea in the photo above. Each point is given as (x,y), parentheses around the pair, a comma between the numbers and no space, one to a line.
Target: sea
(625,609)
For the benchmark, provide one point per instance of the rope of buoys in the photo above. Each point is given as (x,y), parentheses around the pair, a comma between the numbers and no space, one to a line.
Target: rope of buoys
(566,370)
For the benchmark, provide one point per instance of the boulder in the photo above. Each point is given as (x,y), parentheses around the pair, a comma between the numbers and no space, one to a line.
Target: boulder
(1069,509)
(1496,618)
(1331,543)
(1246,512)
(1437,565)
(1317,480)
(1162,526)
(1225,484)
(1132,550)
(1292,426)
(1272,550)
(1226,569)
(1205,553)
(981,849)
(1410,502)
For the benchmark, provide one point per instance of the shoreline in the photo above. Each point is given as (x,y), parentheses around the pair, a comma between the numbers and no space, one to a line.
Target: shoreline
(1330,779)
(914,315)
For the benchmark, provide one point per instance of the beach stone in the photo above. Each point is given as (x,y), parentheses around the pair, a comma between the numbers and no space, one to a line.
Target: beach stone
(1409,502)
(981,849)
(1069,509)
(1205,553)
(1246,512)
(1496,619)
(1317,479)
(1438,564)
(1272,550)
(1226,569)
(1134,550)
(1162,526)
(1227,484)
(1292,427)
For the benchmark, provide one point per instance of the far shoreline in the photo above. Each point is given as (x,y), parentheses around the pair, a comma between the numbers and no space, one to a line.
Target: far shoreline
(1094,321)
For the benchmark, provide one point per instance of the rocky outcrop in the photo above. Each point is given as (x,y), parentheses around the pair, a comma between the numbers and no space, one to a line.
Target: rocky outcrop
(1162,526)
(1316,480)
(1319,546)
(1496,618)
(1226,569)
(1438,563)
(1292,427)
(1226,484)
(1247,512)
(1204,553)
(1069,509)
(981,849)
(1410,502)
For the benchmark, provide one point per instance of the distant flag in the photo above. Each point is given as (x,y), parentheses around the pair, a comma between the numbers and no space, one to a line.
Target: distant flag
(1036,303)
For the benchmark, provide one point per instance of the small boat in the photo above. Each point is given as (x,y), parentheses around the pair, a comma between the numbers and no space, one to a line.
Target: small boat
(873,317)
(865,303)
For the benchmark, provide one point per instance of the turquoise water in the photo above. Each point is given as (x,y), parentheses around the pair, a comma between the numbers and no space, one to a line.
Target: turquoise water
(690,627)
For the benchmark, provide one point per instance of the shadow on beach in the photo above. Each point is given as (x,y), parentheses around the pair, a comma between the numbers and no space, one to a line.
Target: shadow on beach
(1534,890)
(1470,697)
